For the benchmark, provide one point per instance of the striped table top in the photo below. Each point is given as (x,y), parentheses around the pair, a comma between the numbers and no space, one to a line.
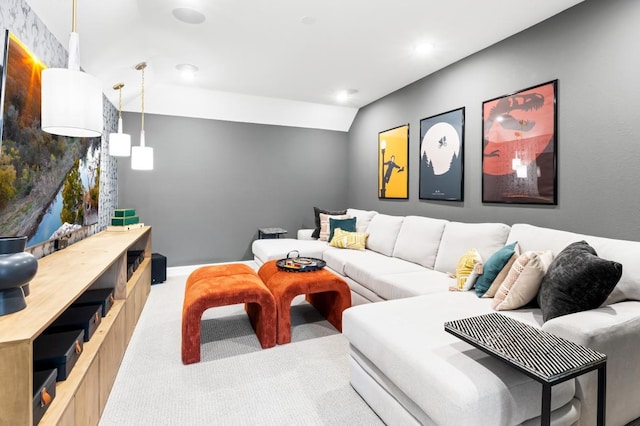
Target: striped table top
(541,355)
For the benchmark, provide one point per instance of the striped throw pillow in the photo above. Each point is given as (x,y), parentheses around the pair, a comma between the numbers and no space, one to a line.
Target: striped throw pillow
(325,229)
(348,240)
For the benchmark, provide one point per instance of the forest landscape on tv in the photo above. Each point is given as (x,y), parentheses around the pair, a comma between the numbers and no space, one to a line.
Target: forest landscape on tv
(46,180)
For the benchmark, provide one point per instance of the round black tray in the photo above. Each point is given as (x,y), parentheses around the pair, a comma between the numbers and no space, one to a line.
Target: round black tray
(300,264)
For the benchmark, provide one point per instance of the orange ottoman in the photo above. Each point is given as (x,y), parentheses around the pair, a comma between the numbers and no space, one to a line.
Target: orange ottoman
(326,291)
(222,285)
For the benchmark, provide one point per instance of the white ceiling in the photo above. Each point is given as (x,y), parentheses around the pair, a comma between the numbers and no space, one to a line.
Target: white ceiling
(280,61)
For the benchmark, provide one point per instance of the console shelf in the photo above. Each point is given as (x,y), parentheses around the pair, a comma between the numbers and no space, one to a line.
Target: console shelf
(99,261)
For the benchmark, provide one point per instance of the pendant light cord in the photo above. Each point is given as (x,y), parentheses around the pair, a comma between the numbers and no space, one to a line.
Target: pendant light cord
(120,102)
(143,98)
(74,16)
(140,67)
(118,87)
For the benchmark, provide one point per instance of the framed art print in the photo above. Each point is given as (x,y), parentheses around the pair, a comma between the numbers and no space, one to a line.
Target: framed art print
(519,147)
(442,156)
(393,163)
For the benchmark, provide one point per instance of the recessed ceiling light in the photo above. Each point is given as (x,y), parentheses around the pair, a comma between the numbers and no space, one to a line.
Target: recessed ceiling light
(308,20)
(423,48)
(188,15)
(187,71)
(344,95)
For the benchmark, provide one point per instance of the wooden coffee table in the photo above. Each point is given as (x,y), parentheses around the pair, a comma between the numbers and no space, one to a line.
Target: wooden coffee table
(325,291)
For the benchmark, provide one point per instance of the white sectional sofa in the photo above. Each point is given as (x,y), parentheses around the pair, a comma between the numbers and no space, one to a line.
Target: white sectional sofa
(410,371)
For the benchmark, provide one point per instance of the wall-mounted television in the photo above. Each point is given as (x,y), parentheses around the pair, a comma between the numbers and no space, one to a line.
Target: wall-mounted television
(45,180)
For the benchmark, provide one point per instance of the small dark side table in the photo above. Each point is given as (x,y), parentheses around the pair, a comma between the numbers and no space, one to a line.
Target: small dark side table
(264,233)
(544,357)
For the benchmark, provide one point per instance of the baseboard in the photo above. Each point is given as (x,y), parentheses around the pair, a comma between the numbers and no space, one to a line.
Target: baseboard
(179,271)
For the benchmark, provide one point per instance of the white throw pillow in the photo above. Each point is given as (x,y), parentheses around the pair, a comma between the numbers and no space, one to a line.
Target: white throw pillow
(383,232)
(363,218)
(457,237)
(522,283)
(418,240)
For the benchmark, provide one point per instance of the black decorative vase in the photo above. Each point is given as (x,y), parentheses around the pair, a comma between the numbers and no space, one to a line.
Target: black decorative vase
(17,268)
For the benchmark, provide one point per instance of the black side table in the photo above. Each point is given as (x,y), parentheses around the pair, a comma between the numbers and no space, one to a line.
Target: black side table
(544,357)
(264,233)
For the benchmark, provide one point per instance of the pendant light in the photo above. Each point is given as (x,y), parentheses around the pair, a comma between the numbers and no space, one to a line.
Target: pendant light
(71,103)
(119,143)
(142,156)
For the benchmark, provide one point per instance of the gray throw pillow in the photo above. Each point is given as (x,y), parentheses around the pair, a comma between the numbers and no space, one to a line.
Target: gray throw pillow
(577,280)
(316,212)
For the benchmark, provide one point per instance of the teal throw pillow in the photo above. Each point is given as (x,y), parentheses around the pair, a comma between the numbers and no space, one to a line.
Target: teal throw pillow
(316,214)
(492,268)
(348,225)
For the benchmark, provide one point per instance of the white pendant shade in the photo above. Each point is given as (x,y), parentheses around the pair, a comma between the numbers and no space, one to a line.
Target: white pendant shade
(142,156)
(71,103)
(119,143)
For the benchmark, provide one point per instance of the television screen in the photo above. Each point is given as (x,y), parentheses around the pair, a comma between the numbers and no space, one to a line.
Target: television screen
(45,180)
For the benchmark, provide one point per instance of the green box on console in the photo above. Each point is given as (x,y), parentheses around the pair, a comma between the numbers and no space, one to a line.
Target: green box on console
(123,221)
(124,212)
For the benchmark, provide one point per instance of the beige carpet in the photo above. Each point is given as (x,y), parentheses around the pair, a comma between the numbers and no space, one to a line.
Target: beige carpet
(305,382)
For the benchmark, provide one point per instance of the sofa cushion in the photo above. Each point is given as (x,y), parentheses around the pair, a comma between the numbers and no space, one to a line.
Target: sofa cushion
(409,284)
(459,237)
(337,258)
(367,269)
(363,218)
(348,225)
(492,267)
(577,280)
(523,280)
(418,240)
(448,379)
(316,214)
(383,233)
(531,237)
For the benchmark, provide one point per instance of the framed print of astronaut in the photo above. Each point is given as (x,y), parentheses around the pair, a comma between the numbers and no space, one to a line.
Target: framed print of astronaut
(442,156)
(393,163)
(519,140)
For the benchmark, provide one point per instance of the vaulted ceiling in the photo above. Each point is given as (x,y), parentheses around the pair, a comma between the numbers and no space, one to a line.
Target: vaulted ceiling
(280,61)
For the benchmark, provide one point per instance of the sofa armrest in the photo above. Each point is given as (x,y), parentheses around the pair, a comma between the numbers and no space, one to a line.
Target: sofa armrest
(305,234)
(615,331)
(606,329)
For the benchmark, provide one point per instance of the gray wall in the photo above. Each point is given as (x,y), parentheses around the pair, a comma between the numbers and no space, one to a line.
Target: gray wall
(592,50)
(215,183)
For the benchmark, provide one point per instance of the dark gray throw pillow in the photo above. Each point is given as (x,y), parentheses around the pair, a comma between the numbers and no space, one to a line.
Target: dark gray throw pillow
(316,212)
(577,280)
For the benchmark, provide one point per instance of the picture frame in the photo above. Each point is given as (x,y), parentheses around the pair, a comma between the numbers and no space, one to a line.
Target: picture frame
(519,146)
(393,163)
(442,156)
